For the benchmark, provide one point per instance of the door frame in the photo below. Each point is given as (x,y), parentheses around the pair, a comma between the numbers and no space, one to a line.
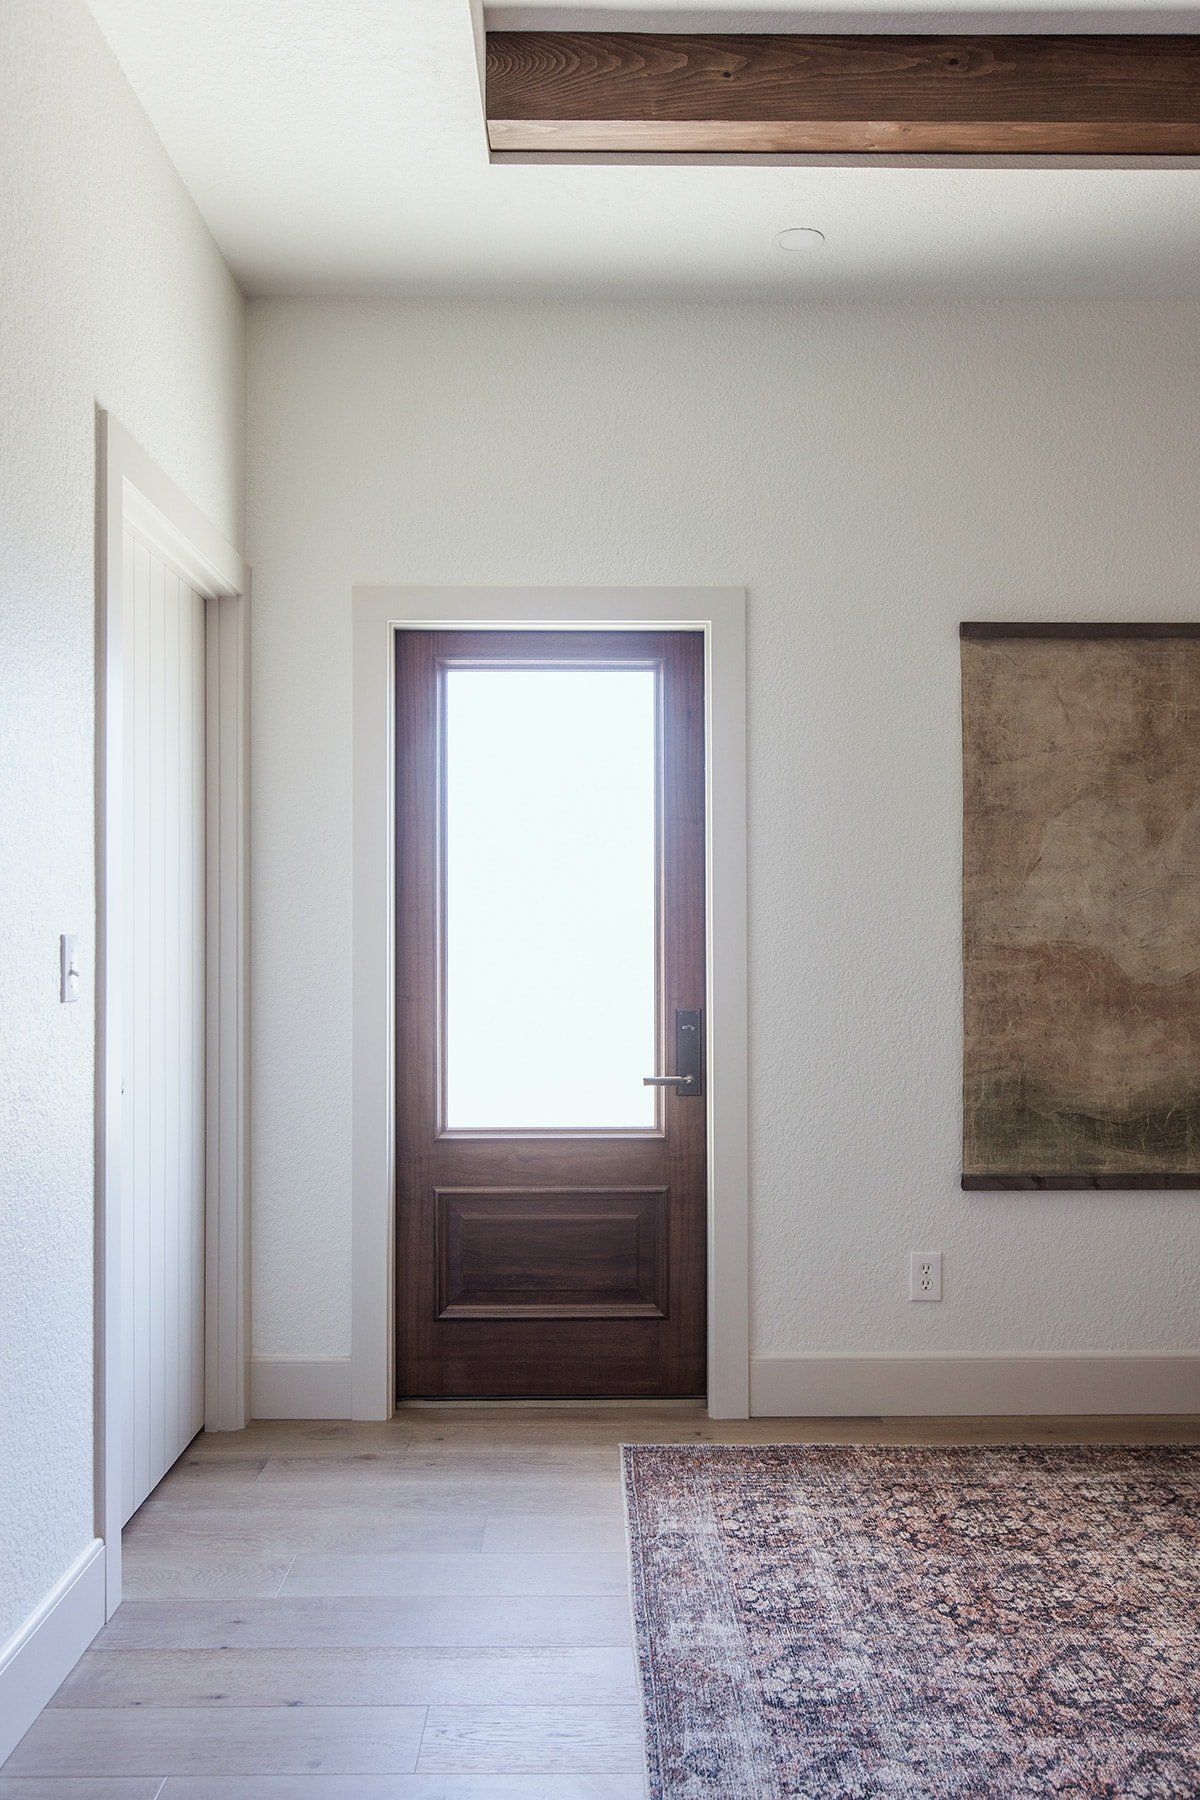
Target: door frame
(134,493)
(378,613)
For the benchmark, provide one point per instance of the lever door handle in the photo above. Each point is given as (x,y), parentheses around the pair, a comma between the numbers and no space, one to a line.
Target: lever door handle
(689,1057)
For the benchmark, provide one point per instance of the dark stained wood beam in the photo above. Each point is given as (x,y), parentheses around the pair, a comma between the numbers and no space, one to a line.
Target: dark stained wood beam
(637,91)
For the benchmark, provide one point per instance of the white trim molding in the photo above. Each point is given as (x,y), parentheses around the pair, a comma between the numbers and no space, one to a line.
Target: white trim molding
(42,1652)
(822,1387)
(294,1387)
(379,612)
(227,976)
(134,492)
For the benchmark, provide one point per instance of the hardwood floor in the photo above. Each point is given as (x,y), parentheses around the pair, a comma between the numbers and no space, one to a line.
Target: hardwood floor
(431,1609)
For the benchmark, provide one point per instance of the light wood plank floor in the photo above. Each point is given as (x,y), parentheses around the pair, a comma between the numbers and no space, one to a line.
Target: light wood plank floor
(432,1609)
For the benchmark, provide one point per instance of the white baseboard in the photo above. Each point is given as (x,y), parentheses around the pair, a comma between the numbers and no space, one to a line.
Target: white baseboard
(290,1387)
(42,1652)
(918,1386)
(284,1387)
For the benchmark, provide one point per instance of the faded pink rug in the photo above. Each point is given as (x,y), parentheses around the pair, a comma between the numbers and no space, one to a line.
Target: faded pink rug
(841,1623)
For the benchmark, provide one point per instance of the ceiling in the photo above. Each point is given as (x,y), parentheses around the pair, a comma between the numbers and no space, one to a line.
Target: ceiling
(338,147)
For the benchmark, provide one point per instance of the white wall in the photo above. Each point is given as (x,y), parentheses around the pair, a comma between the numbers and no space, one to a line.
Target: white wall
(112,293)
(872,477)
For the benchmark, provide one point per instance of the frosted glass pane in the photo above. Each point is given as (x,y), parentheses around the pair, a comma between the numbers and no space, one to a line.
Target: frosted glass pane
(550,911)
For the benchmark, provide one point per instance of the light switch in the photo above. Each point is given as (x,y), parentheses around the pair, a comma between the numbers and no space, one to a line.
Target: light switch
(68,967)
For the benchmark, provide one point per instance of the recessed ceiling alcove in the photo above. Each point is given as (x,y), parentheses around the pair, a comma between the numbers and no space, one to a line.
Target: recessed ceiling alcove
(345,151)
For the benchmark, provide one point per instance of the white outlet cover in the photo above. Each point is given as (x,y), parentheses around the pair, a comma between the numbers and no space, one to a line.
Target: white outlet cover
(925,1275)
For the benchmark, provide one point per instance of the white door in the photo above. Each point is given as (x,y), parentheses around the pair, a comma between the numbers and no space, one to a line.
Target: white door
(162,1221)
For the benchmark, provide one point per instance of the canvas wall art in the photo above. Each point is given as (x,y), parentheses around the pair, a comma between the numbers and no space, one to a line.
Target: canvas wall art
(1081,906)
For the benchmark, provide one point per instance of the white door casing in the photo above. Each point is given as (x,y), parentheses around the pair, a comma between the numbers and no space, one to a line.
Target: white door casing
(720,613)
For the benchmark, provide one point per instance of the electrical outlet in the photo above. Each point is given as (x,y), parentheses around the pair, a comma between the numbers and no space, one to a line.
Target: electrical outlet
(925,1275)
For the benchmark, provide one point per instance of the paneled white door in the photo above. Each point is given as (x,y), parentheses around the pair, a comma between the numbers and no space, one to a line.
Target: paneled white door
(162,1188)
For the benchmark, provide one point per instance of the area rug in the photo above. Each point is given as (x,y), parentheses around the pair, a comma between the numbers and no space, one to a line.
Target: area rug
(844,1622)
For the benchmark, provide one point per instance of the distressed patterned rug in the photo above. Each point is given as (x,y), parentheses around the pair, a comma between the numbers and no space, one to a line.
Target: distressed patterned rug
(845,1622)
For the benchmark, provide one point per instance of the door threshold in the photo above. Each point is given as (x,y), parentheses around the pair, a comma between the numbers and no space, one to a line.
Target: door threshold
(694,1403)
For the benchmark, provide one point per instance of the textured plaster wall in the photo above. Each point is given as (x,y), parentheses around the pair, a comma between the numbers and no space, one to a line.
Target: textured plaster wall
(872,476)
(111,292)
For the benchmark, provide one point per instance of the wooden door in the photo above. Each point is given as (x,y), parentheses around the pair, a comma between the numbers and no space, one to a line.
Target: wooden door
(550,921)
(163,1039)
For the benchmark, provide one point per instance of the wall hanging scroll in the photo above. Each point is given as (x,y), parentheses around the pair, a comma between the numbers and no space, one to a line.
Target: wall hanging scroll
(1081,906)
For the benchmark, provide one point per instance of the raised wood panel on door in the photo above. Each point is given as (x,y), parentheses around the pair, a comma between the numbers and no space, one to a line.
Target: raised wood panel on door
(555,1265)
(570,1253)
(162,1186)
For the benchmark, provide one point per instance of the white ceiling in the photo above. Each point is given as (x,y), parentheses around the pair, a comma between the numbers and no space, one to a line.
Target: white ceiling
(338,146)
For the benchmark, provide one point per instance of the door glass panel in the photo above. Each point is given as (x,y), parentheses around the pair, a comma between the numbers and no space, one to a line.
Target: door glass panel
(550,915)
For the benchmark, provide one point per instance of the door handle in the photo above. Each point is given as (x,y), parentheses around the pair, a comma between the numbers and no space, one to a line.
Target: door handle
(689,1057)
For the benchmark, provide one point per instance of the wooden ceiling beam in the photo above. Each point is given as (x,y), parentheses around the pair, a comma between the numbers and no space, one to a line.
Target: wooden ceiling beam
(608,91)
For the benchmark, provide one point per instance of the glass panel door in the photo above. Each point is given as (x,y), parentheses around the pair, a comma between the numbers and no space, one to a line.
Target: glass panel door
(549,884)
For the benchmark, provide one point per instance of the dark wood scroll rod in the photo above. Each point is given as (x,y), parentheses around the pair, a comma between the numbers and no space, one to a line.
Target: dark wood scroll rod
(1051,628)
(1128,1182)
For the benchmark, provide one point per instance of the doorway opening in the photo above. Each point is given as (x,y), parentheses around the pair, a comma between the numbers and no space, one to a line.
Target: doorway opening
(717,616)
(550,970)
(171,983)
